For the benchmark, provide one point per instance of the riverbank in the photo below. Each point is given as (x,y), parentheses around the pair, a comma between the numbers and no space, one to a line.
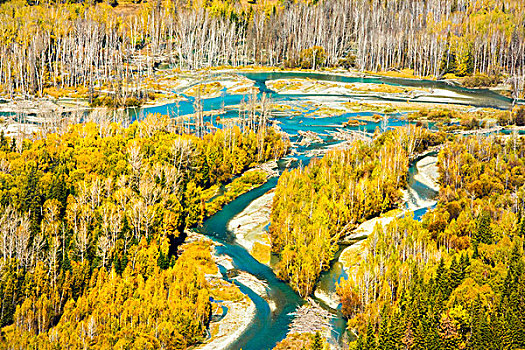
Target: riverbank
(225,332)
(165,86)
(312,86)
(424,186)
(262,323)
(226,297)
(504,88)
(350,256)
(426,173)
(249,228)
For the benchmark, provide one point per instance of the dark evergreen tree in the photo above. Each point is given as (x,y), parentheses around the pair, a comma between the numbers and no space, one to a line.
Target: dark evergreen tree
(420,338)
(383,338)
(163,261)
(360,343)
(116,264)
(456,273)
(370,342)
(521,227)
(317,342)
(66,264)
(9,288)
(514,272)
(448,61)
(3,141)
(480,330)
(454,6)
(59,191)
(465,263)
(442,281)
(518,306)
(483,229)
(397,332)
(32,201)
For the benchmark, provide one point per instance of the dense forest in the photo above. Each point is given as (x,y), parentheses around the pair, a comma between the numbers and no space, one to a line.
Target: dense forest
(315,206)
(456,280)
(91,47)
(94,214)
(91,217)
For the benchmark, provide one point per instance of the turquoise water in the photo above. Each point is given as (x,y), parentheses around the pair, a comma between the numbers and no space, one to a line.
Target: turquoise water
(424,192)
(269,327)
(473,97)
(329,279)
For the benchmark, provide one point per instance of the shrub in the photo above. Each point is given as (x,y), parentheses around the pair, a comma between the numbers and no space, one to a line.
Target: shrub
(132,102)
(350,61)
(313,57)
(519,115)
(481,80)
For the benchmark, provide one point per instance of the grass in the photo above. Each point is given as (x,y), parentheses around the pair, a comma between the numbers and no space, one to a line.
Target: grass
(279,85)
(293,84)
(241,185)
(261,252)
(390,89)
(402,73)
(326,111)
(245,90)
(67,92)
(353,122)
(205,89)
(309,85)
(281,107)
(367,107)
(226,291)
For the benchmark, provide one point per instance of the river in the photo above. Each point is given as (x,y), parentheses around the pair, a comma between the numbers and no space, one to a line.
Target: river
(270,324)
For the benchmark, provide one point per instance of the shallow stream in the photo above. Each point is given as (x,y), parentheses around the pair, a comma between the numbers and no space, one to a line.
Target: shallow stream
(271,324)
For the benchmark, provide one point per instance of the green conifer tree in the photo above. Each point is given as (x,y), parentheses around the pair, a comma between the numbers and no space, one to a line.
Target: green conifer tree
(384,337)
(521,227)
(317,342)
(480,330)
(163,261)
(464,262)
(360,345)
(370,343)
(483,229)
(3,141)
(397,332)
(32,202)
(514,272)
(442,281)
(456,273)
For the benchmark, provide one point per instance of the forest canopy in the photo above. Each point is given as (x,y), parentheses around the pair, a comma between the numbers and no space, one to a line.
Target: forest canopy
(456,280)
(317,205)
(91,219)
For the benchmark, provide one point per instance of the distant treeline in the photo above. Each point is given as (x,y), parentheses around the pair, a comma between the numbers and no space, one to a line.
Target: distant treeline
(57,45)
